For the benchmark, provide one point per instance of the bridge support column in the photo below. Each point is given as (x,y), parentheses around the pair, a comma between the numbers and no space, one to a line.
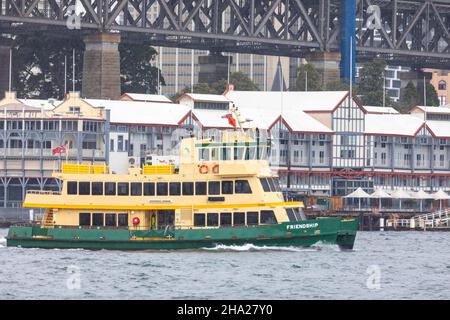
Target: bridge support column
(327,64)
(213,67)
(348,39)
(101,66)
(5,46)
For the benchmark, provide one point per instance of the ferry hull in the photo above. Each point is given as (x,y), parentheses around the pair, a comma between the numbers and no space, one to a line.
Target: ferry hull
(297,234)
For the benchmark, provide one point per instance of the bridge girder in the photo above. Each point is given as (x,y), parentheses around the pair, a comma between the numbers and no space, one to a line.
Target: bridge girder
(409,32)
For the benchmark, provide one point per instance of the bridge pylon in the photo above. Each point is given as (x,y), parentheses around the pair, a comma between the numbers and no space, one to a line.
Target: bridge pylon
(101,66)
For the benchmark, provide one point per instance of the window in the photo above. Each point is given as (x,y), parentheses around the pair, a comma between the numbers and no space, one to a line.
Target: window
(227,187)
(271,184)
(276,183)
(213,187)
(111,145)
(199,219)
(242,186)
(175,188)
(291,215)
(110,220)
(239,218)
(122,219)
(84,188)
(110,188)
(97,219)
(442,85)
(225,219)
(72,187)
(136,189)
(188,188)
(120,143)
(268,217)
(85,219)
(252,218)
(225,154)
(123,189)
(213,219)
(162,189)
(149,188)
(265,184)
(97,188)
(200,188)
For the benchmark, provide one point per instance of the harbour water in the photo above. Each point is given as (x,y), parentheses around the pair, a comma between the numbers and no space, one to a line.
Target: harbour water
(383,265)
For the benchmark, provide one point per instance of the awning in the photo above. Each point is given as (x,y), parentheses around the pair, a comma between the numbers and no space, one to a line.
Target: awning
(400,194)
(440,195)
(380,194)
(358,193)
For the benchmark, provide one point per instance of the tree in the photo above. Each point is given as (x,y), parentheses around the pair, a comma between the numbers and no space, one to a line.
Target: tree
(38,65)
(371,84)
(431,96)
(308,78)
(137,74)
(340,85)
(409,98)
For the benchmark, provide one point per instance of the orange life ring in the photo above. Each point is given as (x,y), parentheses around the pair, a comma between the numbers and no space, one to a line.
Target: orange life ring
(215,168)
(203,169)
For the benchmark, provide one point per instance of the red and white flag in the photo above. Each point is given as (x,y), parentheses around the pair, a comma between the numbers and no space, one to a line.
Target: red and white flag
(59,150)
(231,120)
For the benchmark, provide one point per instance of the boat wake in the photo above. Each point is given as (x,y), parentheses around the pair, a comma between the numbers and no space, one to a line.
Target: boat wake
(250,247)
(2,242)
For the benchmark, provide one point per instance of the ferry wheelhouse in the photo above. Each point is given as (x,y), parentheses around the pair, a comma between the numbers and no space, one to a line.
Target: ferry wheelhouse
(221,192)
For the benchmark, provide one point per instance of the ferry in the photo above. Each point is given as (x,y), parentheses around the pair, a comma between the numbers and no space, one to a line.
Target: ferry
(221,192)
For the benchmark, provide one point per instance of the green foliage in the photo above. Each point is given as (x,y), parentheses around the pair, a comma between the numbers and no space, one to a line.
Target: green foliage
(240,81)
(307,74)
(137,74)
(409,98)
(431,96)
(38,65)
(371,84)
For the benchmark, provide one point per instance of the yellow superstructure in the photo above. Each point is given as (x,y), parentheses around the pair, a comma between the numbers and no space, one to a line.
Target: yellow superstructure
(216,184)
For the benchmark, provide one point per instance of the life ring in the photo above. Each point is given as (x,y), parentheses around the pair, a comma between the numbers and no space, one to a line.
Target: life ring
(215,168)
(203,169)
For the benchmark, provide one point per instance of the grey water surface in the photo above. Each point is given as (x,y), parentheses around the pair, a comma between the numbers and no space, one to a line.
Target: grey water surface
(383,265)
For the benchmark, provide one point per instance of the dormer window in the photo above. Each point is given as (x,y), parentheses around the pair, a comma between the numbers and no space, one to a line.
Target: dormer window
(442,85)
(74,109)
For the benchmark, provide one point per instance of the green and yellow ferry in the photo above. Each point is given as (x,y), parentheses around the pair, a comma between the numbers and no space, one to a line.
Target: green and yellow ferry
(220,193)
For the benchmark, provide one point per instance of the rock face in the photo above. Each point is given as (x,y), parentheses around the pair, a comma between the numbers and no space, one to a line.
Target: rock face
(101,66)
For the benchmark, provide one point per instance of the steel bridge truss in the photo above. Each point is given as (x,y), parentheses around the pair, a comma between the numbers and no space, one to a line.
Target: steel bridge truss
(412,30)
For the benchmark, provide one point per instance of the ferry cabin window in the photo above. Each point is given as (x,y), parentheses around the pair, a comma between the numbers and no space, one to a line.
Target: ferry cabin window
(276,182)
(97,219)
(250,153)
(110,188)
(203,154)
(175,188)
(214,154)
(188,188)
(238,153)
(122,219)
(84,188)
(252,218)
(225,219)
(162,189)
(291,215)
(242,186)
(265,184)
(136,189)
(271,184)
(227,187)
(97,188)
(268,217)
(85,219)
(149,188)
(213,219)
(214,187)
(72,187)
(199,219)
(110,219)
(200,188)
(123,189)
(239,218)
(225,154)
